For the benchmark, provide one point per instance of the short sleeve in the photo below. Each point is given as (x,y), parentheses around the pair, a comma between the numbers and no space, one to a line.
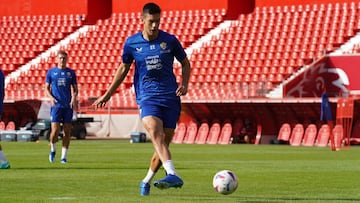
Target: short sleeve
(127,56)
(179,51)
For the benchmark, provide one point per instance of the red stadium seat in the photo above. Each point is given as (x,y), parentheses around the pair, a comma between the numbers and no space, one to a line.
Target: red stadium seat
(284,133)
(338,133)
(225,135)
(2,125)
(202,133)
(214,133)
(10,125)
(191,133)
(310,135)
(297,135)
(179,134)
(323,137)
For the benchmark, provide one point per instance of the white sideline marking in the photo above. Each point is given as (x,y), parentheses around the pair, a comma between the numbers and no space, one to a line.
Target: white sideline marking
(63,198)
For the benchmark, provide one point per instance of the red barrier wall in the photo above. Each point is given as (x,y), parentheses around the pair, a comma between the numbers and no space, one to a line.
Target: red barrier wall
(42,7)
(310,82)
(261,3)
(233,7)
(337,73)
(349,64)
(95,9)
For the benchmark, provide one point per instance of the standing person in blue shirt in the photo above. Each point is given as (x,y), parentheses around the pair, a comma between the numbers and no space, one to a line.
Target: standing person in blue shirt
(59,81)
(157,92)
(4,164)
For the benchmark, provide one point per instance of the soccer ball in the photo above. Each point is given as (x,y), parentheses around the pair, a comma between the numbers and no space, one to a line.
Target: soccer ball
(225,182)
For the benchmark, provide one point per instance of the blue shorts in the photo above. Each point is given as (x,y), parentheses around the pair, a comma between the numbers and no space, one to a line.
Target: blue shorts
(61,115)
(169,113)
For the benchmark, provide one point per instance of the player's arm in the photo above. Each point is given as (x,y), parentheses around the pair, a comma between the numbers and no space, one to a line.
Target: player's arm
(74,95)
(183,89)
(48,93)
(119,77)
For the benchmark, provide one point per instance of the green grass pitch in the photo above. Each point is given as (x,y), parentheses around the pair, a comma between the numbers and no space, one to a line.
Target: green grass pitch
(111,170)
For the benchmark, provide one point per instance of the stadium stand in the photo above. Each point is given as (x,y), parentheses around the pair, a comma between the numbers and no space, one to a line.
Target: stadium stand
(247,59)
(232,59)
(24,37)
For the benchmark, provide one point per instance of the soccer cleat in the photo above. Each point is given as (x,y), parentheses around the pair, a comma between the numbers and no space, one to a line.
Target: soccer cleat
(169,181)
(144,189)
(63,161)
(5,165)
(52,157)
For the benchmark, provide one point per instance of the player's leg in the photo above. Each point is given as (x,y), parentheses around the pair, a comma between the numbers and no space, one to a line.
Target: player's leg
(155,162)
(152,119)
(4,164)
(170,116)
(154,125)
(67,134)
(54,135)
(55,114)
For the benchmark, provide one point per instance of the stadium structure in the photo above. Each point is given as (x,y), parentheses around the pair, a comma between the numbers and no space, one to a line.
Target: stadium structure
(256,63)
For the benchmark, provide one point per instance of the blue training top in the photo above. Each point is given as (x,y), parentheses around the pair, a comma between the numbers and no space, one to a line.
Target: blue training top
(61,81)
(154,75)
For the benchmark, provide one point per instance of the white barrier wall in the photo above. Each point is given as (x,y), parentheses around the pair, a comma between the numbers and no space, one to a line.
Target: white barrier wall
(113,125)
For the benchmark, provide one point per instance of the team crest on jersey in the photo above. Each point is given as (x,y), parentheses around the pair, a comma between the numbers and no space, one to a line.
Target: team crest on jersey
(68,74)
(163,45)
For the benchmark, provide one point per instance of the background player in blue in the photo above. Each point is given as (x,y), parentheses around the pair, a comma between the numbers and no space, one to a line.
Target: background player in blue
(4,164)
(59,81)
(157,91)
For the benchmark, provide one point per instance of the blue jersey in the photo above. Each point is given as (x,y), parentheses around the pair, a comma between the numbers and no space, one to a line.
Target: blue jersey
(153,76)
(61,81)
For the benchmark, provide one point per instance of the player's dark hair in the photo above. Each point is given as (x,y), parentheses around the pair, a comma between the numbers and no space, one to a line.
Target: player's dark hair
(62,52)
(151,8)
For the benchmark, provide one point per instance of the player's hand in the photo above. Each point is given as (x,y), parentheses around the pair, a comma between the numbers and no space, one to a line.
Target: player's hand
(101,101)
(73,103)
(53,102)
(181,90)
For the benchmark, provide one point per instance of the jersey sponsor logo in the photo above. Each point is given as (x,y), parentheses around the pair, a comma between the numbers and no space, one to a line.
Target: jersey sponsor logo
(61,82)
(153,62)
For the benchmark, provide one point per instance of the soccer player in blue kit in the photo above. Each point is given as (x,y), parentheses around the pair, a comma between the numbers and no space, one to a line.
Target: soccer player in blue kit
(4,164)
(157,92)
(59,81)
